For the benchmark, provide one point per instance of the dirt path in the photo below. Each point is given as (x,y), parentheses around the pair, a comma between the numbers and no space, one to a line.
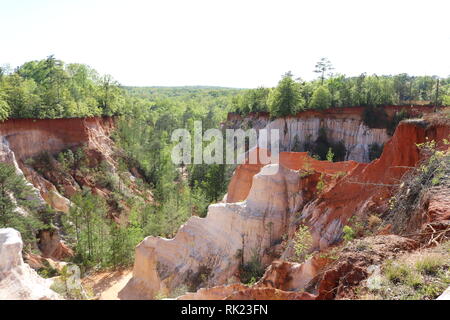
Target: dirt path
(107,285)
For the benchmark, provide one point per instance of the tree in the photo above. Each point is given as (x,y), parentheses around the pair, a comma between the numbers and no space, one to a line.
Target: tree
(335,86)
(322,67)
(110,98)
(86,223)
(214,183)
(5,110)
(15,192)
(286,99)
(321,98)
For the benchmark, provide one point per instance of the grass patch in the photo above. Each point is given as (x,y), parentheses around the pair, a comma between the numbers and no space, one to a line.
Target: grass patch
(415,276)
(430,264)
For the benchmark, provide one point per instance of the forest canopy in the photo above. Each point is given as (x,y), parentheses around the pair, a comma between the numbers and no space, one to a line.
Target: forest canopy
(50,88)
(291,96)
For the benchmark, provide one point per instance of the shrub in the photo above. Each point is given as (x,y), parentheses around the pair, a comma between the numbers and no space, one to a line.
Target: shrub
(330,155)
(199,278)
(393,123)
(373,221)
(349,233)
(320,184)
(322,149)
(66,159)
(302,244)
(375,151)
(375,117)
(252,270)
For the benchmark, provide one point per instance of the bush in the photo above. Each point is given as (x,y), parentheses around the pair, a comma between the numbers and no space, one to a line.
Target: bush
(393,123)
(375,151)
(251,271)
(320,149)
(302,244)
(349,233)
(375,117)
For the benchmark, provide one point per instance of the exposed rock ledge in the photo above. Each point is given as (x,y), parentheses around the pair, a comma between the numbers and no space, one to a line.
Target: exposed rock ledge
(18,281)
(340,124)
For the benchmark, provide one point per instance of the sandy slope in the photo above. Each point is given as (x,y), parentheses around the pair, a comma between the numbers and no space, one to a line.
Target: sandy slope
(106,285)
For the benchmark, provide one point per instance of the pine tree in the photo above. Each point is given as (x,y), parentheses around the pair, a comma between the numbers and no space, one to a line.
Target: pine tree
(286,98)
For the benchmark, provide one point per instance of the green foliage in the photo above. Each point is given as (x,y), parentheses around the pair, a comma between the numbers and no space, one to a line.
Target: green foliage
(49,88)
(349,233)
(99,241)
(320,149)
(5,109)
(422,275)
(254,100)
(15,192)
(430,264)
(68,284)
(251,271)
(375,151)
(322,66)
(337,91)
(286,99)
(321,183)
(144,135)
(397,273)
(87,224)
(321,98)
(393,123)
(330,155)
(302,244)
(375,117)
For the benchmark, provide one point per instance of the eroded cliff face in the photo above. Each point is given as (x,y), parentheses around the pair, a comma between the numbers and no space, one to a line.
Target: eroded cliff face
(208,251)
(23,139)
(367,188)
(26,138)
(340,124)
(31,137)
(211,249)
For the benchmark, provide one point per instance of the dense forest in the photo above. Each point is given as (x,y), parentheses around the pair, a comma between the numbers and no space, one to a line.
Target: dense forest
(147,116)
(50,88)
(292,96)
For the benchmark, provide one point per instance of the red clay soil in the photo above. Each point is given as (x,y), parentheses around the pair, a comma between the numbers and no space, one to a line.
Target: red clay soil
(374,180)
(340,277)
(241,181)
(30,137)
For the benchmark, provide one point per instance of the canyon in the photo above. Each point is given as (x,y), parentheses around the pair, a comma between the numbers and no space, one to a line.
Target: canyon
(259,216)
(208,252)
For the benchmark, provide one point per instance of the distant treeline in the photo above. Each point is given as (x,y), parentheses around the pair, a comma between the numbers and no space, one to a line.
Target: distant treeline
(292,96)
(50,88)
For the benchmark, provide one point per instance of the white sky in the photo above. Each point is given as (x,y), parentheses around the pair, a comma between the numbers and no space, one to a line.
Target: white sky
(228,43)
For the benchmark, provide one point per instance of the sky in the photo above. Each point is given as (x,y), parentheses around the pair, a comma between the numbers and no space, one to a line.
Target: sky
(243,44)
